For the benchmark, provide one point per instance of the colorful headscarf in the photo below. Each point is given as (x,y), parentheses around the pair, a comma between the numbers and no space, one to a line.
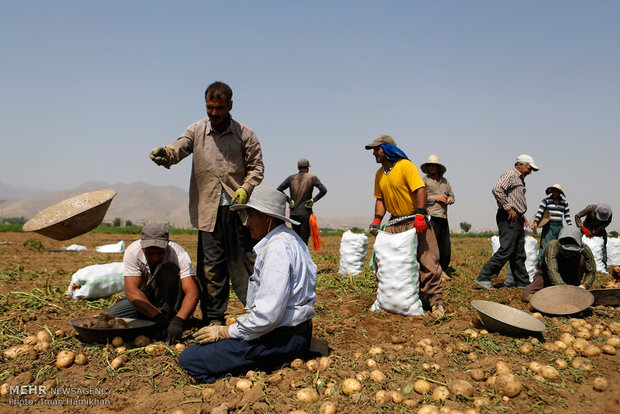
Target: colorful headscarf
(392,152)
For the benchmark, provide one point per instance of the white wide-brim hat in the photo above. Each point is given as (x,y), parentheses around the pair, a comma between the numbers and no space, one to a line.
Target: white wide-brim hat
(554,187)
(433,160)
(268,201)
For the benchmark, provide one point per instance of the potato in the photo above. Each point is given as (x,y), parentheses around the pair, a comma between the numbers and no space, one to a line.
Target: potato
(382,397)
(375,350)
(307,395)
(461,387)
(117,362)
(534,366)
(549,373)
(422,386)
(570,352)
(59,333)
(608,349)
(440,393)
(613,341)
(141,341)
(591,350)
(377,375)
(560,345)
(561,363)
(550,347)
(312,365)
(582,333)
(297,363)
(526,348)
(243,384)
(65,359)
(507,385)
(325,363)
(80,359)
(600,384)
(179,347)
(41,346)
(155,349)
(17,350)
(567,338)
(4,389)
(397,397)
(117,341)
(30,340)
(579,345)
(537,315)
(428,409)
(566,328)
(477,374)
(463,347)
(361,376)
(44,336)
(371,363)
(471,333)
(479,402)
(472,356)
(581,363)
(351,385)
(502,368)
(121,349)
(429,351)
(327,407)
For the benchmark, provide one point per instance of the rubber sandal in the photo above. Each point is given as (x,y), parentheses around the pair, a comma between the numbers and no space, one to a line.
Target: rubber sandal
(484,284)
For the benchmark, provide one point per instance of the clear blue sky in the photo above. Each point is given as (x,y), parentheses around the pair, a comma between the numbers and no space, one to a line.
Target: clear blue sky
(89,88)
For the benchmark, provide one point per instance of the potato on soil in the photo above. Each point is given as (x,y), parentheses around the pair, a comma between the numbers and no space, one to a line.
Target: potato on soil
(327,407)
(155,349)
(508,385)
(80,359)
(30,340)
(422,386)
(17,350)
(600,384)
(325,363)
(428,409)
(461,387)
(243,384)
(297,363)
(477,374)
(117,362)
(549,373)
(502,368)
(397,397)
(526,348)
(141,341)
(307,395)
(375,350)
(382,397)
(64,359)
(44,336)
(117,341)
(377,375)
(312,365)
(351,385)
(440,393)
(608,349)
(179,347)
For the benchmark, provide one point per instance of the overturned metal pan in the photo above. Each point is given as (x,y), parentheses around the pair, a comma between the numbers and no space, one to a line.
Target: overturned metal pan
(606,297)
(506,319)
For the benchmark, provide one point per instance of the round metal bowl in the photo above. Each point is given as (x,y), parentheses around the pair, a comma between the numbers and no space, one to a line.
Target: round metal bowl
(506,319)
(105,335)
(561,300)
(72,217)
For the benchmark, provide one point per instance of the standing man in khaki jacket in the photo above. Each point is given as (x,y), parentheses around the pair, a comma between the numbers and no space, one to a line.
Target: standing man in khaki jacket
(227,164)
(439,197)
(301,201)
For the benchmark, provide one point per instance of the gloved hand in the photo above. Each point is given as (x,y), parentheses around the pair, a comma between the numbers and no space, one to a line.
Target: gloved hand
(585,231)
(211,333)
(291,204)
(420,220)
(240,196)
(375,226)
(175,329)
(160,156)
(583,286)
(309,203)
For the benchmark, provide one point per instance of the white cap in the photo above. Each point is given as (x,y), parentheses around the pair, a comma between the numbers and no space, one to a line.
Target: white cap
(526,159)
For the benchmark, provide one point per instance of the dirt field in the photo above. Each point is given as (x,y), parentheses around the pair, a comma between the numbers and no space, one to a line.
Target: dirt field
(31,299)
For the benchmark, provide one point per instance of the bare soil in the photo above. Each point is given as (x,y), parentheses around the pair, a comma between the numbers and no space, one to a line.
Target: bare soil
(31,299)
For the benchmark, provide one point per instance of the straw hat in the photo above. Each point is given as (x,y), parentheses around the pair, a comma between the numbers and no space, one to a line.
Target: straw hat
(433,160)
(267,200)
(557,187)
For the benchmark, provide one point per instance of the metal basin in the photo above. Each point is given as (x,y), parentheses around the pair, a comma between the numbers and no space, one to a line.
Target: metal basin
(72,217)
(561,300)
(506,319)
(104,335)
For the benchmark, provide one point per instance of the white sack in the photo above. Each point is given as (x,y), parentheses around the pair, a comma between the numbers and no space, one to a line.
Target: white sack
(397,273)
(352,253)
(112,248)
(97,281)
(596,245)
(613,252)
(76,248)
(531,257)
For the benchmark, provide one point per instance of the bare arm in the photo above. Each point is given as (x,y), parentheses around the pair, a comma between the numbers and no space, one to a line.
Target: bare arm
(380,207)
(137,298)
(190,300)
(420,197)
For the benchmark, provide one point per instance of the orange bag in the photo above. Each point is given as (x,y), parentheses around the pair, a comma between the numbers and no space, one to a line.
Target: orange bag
(317,241)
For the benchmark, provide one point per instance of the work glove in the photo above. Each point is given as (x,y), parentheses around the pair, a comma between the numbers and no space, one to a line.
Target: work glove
(420,220)
(375,226)
(175,329)
(309,203)
(291,204)
(585,231)
(240,196)
(160,156)
(211,333)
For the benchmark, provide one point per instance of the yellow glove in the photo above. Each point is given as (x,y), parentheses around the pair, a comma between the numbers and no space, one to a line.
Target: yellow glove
(212,333)
(160,156)
(240,196)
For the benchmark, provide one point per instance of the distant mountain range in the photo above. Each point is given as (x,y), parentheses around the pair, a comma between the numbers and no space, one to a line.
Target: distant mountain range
(138,202)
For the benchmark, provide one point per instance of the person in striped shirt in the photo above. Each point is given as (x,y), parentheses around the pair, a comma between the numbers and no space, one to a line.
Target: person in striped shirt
(558,211)
(566,261)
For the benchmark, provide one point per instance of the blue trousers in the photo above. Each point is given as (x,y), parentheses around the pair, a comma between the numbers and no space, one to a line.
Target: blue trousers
(209,362)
